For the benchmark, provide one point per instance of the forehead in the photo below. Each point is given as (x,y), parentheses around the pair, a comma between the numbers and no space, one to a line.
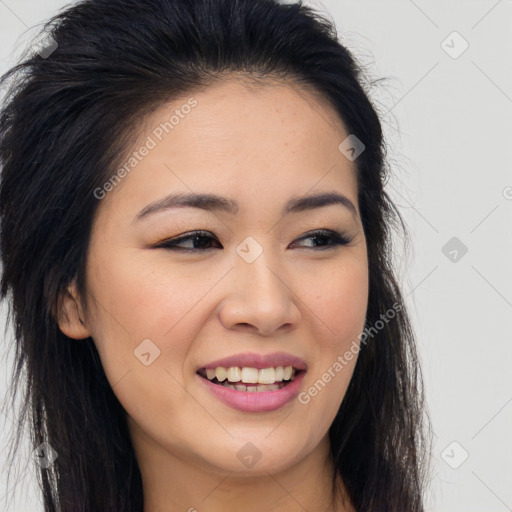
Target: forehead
(257,143)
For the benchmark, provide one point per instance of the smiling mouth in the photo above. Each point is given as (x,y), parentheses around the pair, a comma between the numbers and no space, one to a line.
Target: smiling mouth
(252,380)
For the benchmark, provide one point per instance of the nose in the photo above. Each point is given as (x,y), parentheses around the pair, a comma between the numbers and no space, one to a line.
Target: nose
(260,299)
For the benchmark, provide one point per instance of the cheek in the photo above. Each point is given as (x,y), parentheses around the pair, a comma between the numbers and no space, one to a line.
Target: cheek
(339,308)
(142,326)
(136,301)
(144,299)
(339,302)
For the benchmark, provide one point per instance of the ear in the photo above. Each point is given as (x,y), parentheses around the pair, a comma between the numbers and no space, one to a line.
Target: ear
(71,319)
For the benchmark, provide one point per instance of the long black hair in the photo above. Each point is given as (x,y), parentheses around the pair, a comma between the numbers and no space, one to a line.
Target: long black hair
(68,117)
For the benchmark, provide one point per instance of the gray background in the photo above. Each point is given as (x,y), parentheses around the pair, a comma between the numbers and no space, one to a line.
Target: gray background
(447,119)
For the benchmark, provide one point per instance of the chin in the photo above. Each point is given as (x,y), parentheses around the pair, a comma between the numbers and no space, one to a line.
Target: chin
(257,457)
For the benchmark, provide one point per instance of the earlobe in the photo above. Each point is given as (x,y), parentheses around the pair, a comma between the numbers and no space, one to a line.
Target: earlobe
(70,315)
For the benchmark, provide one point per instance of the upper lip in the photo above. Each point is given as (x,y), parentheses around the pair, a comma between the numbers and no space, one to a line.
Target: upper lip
(259,361)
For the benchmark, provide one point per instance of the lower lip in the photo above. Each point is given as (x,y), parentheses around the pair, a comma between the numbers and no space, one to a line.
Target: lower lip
(259,401)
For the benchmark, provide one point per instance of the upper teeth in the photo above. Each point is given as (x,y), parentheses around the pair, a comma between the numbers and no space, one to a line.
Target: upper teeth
(251,375)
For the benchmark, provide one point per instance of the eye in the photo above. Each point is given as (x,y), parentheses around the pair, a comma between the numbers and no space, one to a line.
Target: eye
(201,238)
(198,241)
(323,235)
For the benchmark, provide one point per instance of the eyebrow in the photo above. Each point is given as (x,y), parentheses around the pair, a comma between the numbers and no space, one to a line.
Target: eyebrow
(212,202)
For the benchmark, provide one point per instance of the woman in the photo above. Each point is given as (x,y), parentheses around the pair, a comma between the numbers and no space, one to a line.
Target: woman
(196,243)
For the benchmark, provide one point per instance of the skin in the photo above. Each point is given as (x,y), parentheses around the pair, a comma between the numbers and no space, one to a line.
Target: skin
(260,145)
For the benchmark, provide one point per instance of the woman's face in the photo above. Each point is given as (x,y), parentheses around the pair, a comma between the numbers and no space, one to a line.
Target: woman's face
(258,286)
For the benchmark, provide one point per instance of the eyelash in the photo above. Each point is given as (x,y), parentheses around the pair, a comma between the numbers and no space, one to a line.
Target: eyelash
(339,240)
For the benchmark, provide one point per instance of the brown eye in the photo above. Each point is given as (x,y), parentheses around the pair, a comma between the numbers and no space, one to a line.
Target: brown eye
(322,237)
(196,241)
